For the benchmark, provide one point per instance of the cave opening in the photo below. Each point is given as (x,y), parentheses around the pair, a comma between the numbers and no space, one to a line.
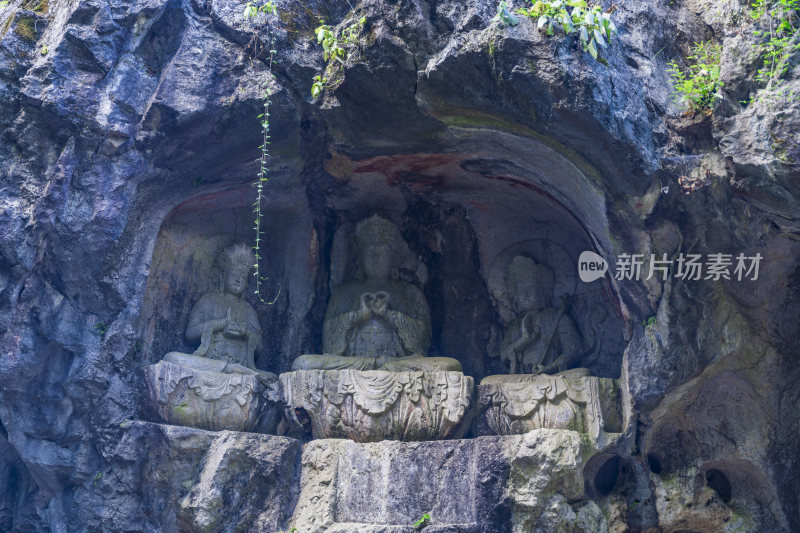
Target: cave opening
(720,483)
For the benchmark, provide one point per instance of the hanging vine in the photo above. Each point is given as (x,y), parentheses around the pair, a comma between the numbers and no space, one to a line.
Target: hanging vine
(252,12)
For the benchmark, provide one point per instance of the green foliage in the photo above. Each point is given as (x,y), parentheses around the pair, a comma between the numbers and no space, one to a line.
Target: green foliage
(505,16)
(4,3)
(780,38)
(251,10)
(97,477)
(44,50)
(333,49)
(700,86)
(594,27)
(26,28)
(101,328)
(423,521)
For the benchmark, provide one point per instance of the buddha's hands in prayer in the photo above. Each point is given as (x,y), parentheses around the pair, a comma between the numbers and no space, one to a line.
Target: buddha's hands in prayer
(365,309)
(380,303)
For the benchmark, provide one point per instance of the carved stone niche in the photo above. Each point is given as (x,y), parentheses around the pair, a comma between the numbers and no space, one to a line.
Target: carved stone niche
(205,342)
(184,396)
(375,405)
(217,386)
(589,405)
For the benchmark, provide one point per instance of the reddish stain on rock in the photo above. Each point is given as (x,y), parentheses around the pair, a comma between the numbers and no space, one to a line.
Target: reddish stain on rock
(421,171)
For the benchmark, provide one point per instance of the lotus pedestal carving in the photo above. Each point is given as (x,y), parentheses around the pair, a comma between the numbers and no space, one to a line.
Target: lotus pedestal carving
(216,401)
(374,405)
(515,404)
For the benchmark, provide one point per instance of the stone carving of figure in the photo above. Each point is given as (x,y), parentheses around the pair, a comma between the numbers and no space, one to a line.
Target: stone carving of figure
(541,339)
(225,325)
(378,322)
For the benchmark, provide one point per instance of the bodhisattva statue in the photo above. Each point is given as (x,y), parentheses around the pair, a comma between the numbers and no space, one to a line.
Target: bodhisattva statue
(379,322)
(224,323)
(541,339)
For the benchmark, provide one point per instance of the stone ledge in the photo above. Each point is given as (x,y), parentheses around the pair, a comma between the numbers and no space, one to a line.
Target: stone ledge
(500,483)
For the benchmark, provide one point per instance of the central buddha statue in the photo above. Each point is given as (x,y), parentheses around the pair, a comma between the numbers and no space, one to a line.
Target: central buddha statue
(379,322)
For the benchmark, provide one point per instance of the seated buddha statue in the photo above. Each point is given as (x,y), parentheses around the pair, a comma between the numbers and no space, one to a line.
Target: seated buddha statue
(378,322)
(224,323)
(541,339)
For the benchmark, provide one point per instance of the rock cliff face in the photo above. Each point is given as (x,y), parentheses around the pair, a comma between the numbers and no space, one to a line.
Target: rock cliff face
(127,147)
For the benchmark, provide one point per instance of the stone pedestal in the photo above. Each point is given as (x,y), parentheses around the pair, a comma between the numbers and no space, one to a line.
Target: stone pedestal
(211,400)
(516,404)
(375,405)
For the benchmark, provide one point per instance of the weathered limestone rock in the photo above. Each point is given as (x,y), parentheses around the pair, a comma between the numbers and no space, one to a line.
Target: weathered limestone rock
(373,405)
(546,477)
(348,486)
(170,478)
(211,400)
(587,405)
(249,473)
(685,503)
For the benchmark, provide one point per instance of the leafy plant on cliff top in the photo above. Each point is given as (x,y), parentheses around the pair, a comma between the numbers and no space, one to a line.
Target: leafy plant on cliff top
(700,85)
(333,49)
(594,26)
(780,38)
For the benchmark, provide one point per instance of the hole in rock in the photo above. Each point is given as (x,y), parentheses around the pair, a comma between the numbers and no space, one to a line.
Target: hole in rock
(719,482)
(606,474)
(654,463)
(606,477)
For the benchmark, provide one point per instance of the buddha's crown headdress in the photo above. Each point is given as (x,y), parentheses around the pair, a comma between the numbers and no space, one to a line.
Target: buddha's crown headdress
(238,256)
(377,230)
(525,270)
